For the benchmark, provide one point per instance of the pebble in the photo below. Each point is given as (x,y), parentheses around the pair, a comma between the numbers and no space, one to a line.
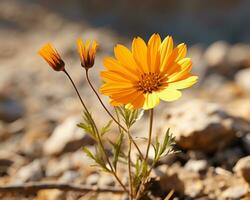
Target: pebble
(106,180)
(31,172)
(235,192)
(168,178)
(66,137)
(216,54)
(201,126)
(242,79)
(10,110)
(196,165)
(242,168)
(246,142)
(51,195)
(93,179)
(69,176)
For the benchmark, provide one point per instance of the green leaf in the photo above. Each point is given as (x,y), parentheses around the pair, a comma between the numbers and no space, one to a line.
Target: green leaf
(166,147)
(141,171)
(97,158)
(156,147)
(88,125)
(88,153)
(129,116)
(117,150)
(106,128)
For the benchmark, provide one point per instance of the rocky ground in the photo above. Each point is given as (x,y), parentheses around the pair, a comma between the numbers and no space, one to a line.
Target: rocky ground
(39,140)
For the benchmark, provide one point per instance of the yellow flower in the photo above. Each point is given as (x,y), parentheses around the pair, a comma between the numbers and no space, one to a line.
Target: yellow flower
(149,73)
(49,53)
(87,53)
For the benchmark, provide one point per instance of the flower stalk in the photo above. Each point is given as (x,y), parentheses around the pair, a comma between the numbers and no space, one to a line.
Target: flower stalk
(151,118)
(135,79)
(109,113)
(97,134)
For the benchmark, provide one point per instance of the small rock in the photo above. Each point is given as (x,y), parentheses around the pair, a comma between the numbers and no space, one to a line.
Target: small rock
(196,165)
(32,142)
(228,157)
(235,193)
(195,189)
(77,161)
(242,168)
(31,172)
(203,126)
(9,162)
(238,55)
(169,179)
(242,79)
(10,110)
(216,53)
(106,180)
(69,176)
(93,179)
(4,166)
(57,167)
(240,107)
(246,142)
(66,137)
(51,195)
(125,197)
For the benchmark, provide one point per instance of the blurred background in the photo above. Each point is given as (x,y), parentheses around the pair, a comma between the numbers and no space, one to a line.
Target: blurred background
(38,108)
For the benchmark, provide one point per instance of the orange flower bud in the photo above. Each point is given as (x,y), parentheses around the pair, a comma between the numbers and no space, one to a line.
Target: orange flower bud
(87,53)
(52,57)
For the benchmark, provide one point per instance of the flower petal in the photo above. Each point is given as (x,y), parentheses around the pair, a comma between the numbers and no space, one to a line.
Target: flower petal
(125,57)
(137,102)
(185,67)
(113,65)
(110,76)
(151,100)
(166,49)
(111,89)
(153,53)
(185,83)
(139,51)
(169,94)
(177,54)
(182,51)
(125,97)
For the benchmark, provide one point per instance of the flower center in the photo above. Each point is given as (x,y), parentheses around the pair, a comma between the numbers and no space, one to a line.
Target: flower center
(149,82)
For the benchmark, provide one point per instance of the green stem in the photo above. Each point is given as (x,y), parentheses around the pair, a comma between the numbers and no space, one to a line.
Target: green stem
(129,171)
(106,109)
(151,117)
(97,132)
(118,119)
(144,179)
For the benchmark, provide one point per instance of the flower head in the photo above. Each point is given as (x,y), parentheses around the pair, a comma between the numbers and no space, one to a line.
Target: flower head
(49,53)
(149,73)
(87,53)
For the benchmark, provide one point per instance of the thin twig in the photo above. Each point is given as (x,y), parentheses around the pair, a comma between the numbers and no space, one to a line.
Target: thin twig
(34,187)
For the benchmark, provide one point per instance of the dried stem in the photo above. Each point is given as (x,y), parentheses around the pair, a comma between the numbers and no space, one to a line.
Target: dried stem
(34,187)
(109,113)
